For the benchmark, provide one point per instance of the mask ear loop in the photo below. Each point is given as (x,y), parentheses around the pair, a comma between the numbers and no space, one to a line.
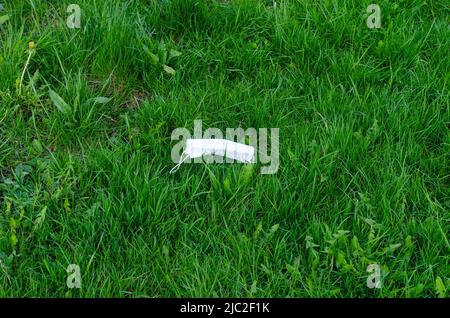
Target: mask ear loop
(177,166)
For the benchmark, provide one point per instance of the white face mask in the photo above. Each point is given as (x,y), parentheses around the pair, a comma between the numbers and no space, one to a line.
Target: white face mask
(196,148)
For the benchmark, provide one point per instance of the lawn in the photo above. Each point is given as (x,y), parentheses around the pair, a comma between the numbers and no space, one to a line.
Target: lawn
(86,117)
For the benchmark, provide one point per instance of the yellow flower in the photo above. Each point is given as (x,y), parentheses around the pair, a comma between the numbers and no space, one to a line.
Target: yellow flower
(31,45)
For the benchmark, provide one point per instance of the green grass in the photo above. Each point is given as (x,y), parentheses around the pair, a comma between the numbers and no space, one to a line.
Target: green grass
(364,149)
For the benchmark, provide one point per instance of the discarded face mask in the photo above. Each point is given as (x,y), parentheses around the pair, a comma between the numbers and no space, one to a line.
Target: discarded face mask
(196,148)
